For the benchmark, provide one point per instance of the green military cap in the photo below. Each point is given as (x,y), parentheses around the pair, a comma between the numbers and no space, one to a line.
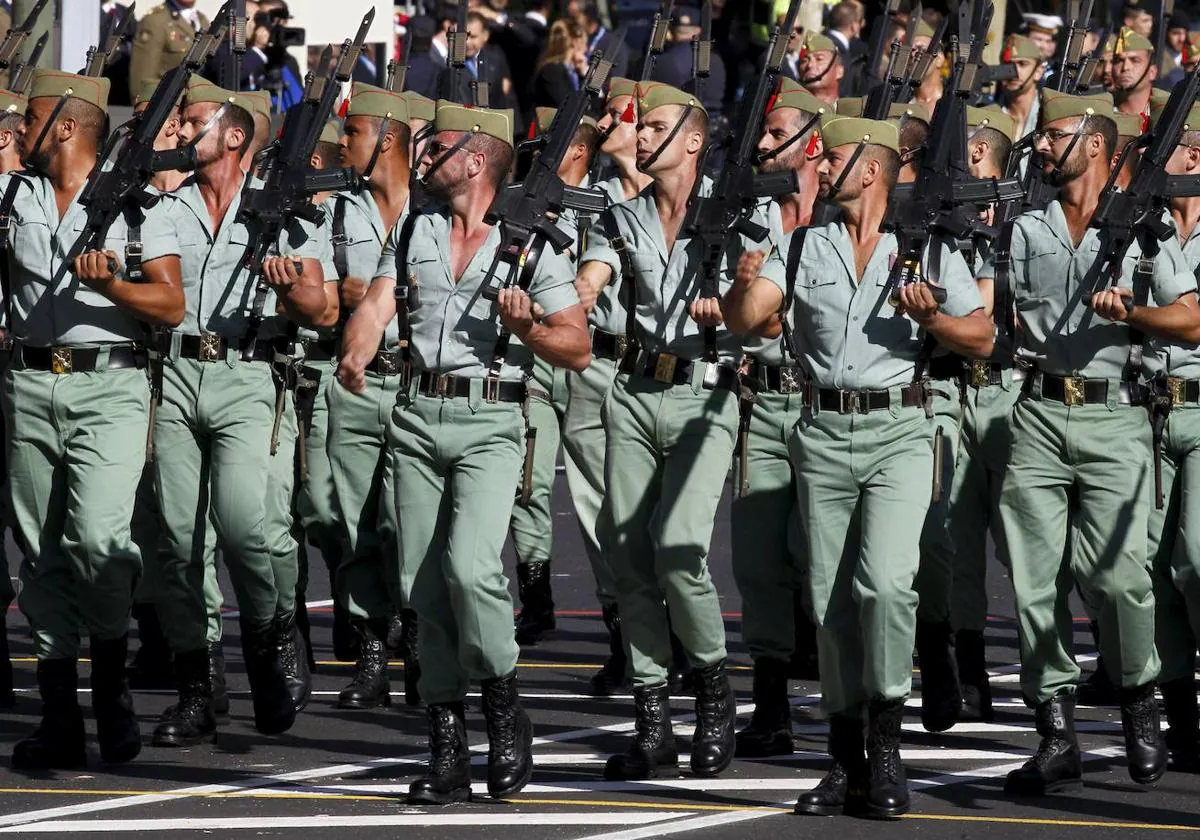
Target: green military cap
(1018,46)
(1059,106)
(331,132)
(419,107)
(258,103)
(909,109)
(545,116)
(843,131)
(12,103)
(370,101)
(1129,125)
(1130,41)
(619,86)
(494,122)
(146,92)
(651,95)
(56,83)
(924,30)
(816,42)
(792,95)
(851,106)
(1193,117)
(992,117)
(203,91)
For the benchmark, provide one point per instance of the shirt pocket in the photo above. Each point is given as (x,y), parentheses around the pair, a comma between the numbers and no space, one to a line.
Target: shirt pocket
(815,292)
(1044,273)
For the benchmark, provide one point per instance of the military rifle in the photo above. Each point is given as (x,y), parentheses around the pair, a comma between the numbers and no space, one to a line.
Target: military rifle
(98,58)
(21,80)
(702,52)
(235,28)
(456,81)
(901,67)
(878,42)
(10,47)
(1069,60)
(658,38)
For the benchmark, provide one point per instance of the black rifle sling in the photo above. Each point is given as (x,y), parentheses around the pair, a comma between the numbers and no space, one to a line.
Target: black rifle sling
(628,291)
(341,257)
(1002,308)
(406,292)
(789,345)
(6,208)
(1143,274)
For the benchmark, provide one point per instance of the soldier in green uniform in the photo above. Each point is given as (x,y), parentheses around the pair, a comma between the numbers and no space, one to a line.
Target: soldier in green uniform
(765,529)
(421,111)
(672,422)
(1020,95)
(457,434)
(75,404)
(861,452)
(212,433)
(1077,433)
(164,36)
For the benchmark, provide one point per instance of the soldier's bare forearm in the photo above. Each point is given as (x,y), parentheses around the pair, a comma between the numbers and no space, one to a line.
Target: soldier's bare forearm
(159,301)
(1178,321)
(970,335)
(562,339)
(752,308)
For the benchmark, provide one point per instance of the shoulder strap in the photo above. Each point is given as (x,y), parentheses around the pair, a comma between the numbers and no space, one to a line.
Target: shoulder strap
(789,293)
(406,286)
(1143,275)
(133,245)
(6,207)
(341,260)
(628,291)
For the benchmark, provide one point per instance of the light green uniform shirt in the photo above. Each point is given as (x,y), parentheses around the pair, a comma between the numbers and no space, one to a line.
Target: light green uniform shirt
(1181,360)
(50,306)
(770,351)
(849,336)
(608,313)
(454,327)
(1059,333)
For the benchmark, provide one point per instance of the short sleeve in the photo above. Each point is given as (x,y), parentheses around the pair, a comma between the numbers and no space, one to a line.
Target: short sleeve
(599,247)
(553,289)
(304,239)
(1172,276)
(160,231)
(962,295)
(387,268)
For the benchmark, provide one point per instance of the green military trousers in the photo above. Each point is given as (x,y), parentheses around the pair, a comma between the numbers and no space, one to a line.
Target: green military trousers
(281,526)
(668,453)
(76,449)
(765,529)
(360,462)
(935,575)
(7,593)
(212,440)
(455,464)
(863,485)
(584,441)
(532,524)
(1101,455)
(975,497)
(316,497)
(1175,546)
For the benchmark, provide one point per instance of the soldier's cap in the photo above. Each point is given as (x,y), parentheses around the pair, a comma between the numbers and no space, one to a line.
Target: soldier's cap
(494,122)
(420,107)
(1129,125)
(620,86)
(258,103)
(545,116)
(791,94)
(200,91)
(1049,24)
(371,101)
(916,110)
(1019,46)
(924,30)
(12,103)
(1130,41)
(816,42)
(843,131)
(850,106)
(1191,124)
(651,95)
(331,132)
(146,93)
(992,117)
(1060,106)
(56,83)
(686,16)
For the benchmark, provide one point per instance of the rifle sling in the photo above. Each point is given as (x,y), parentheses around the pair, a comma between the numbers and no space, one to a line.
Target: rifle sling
(341,256)
(628,290)
(6,208)
(789,345)
(406,291)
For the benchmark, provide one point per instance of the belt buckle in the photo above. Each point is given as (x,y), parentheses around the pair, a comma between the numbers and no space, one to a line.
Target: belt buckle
(848,402)
(61,360)
(1072,390)
(790,380)
(620,346)
(210,347)
(491,389)
(438,385)
(980,373)
(1177,388)
(386,364)
(664,368)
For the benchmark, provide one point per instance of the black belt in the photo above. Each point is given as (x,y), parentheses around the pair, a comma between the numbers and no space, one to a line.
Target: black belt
(780,379)
(1075,390)
(447,385)
(81,359)
(1181,390)
(320,349)
(387,363)
(606,345)
(865,401)
(210,347)
(947,367)
(672,370)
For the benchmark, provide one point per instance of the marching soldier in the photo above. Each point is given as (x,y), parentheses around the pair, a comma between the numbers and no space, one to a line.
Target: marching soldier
(164,36)
(456,437)
(1020,97)
(861,445)
(76,446)
(820,67)
(932,85)
(672,423)
(1133,73)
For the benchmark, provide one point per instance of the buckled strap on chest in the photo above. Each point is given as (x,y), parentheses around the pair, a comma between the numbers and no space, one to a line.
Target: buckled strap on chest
(341,256)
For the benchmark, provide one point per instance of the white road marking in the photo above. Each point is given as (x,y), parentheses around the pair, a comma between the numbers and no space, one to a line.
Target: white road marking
(693,824)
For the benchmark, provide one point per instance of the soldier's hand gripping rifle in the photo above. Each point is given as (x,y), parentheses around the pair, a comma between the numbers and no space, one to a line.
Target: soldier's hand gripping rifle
(98,58)
(289,180)
(726,213)
(11,46)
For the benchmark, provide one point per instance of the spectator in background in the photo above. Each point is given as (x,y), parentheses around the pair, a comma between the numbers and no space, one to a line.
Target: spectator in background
(599,37)
(1170,63)
(562,66)
(523,40)
(674,66)
(163,38)
(424,67)
(1137,18)
(487,63)
(1042,30)
(791,59)
(846,21)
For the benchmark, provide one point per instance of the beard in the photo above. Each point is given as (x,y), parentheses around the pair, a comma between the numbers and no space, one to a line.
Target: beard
(1067,172)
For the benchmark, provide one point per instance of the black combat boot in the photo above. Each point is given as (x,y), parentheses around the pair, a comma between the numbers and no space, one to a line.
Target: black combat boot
(412,659)
(192,720)
(535,622)
(653,749)
(8,697)
(274,708)
(370,686)
(117,729)
(397,644)
(510,737)
(58,742)
(1057,764)
(1183,717)
(681,677)
(293,659)
(714,742)
(1144,747)
(305,630)
(611,678)
(971,654)
(1098,689)
(844,787)
(887,786)
(449,776)
(803,664)
(150,668)
(941,695)
(770,729)
(216,678)
(345,642)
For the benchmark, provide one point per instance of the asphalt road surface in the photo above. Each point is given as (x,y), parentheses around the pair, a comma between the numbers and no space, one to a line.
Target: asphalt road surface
(343,774)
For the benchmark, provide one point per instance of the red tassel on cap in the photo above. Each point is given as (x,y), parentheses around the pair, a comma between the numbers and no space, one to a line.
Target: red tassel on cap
(774,96)
(811,148)
(532,129)
(629,115)
(342,111)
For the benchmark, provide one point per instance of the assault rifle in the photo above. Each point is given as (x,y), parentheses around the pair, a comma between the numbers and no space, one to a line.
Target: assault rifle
(235,28)
(110,42)
(658,38)
(904,65)
(456,83)
(1069,61)
(21,80)
(878,41)
(10,47)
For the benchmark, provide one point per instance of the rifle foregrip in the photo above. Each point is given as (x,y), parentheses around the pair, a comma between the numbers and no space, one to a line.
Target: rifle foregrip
(585,201)
(183,160)
(751,230)
(774,184)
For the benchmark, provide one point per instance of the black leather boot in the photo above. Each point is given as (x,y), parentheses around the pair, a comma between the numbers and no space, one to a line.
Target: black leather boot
(611,678)
(412,659)
(1057,764)
(535,622)
(449,776)
(58,742)
(216,678)
(293,658)
(653,749)
(714,742)
(305,630)
(887,786)
(8,697)
(150,668)
(681,677)
(1183,717)
(1144,747)
(844,787)
(192,720)
(1098,689)
(345,643)
(971,654)
(370,686)
(397,643)
(770,729)
(117,729)
(510,737)
(803,664)
(274,709)
(941,695)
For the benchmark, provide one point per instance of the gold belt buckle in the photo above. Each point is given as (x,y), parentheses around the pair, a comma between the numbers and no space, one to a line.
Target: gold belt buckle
(620,346)
(1072,390)
(664,368)
(61,360)
(980,371)
(210,347)
(1176,385)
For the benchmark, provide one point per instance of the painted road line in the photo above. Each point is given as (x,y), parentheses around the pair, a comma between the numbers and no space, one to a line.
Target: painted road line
(693,824)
